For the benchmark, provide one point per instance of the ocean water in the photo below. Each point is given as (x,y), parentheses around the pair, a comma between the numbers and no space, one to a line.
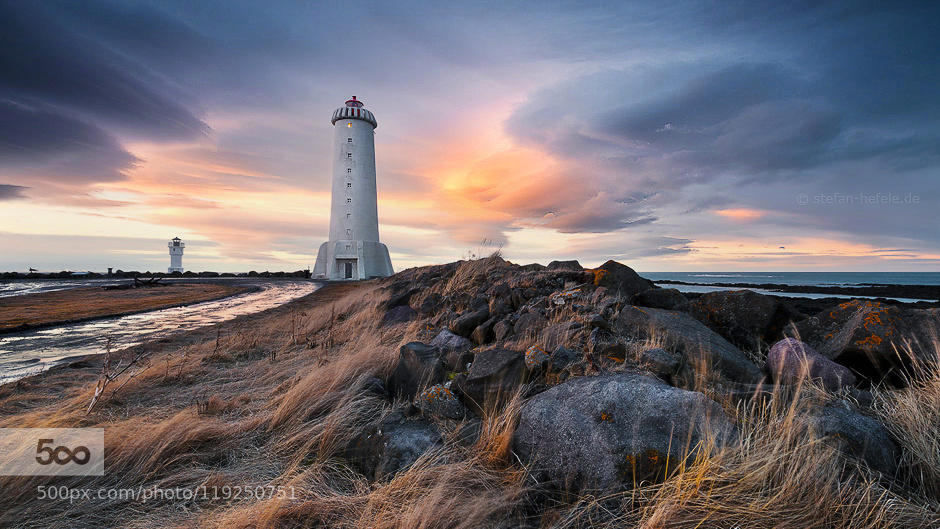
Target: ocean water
(800,278)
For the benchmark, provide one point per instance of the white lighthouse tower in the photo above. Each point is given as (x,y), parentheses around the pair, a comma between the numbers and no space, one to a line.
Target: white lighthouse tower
(176,255)
(354,250)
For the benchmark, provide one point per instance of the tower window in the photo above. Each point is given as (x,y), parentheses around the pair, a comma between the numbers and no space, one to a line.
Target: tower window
(348,140)
(349,155)
(349,234)
(348,200)
(349,170)
(348,184)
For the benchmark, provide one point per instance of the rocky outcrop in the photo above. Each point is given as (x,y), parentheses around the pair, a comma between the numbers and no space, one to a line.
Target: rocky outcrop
(791,360)
(601,433)
(743,317)
(697,342)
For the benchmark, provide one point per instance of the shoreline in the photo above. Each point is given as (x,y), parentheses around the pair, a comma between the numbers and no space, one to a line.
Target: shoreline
(24,327)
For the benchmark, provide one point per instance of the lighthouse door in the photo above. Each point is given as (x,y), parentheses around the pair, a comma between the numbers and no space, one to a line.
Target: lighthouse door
(349,270)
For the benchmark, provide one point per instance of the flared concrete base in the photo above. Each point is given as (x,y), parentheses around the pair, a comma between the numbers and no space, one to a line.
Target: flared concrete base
(352,260)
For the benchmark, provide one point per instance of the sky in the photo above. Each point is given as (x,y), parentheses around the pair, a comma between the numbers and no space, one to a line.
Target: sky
(670,136)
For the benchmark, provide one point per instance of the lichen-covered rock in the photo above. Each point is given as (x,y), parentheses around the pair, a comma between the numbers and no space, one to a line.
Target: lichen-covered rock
(661,298)
(790,360)
(468,321)
(563,297)
(619,279)
(601,433)
(392,445)
(536,357)
(856,435)
(439,400)
(418,366)
(494,376)
(745,318)
(697,342)
(869,335)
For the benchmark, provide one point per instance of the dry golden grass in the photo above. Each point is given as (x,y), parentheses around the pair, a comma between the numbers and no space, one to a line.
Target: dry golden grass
(272,401)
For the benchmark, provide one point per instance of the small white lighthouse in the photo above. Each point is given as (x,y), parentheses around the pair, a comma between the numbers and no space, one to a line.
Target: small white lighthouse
(354,250)
(176,255)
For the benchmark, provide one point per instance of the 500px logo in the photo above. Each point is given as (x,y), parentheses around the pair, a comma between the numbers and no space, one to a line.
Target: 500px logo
(61,454)
(51,451)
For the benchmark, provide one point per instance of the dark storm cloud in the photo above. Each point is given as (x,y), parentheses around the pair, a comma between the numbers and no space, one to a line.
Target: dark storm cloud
(65,93)
(10,192)
(42,144)
(45,58)
(844,94)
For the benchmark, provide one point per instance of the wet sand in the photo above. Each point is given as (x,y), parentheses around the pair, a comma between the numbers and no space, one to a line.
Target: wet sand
(18,313)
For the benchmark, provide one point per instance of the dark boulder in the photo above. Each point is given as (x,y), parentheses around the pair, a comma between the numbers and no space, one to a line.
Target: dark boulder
(493,377)
(604,344)
(856,435)
(419,365)
(399,314)
(430,304)
(565,265)
(790,360)
(448,341)
(529,325)
(602,433)
(484,332)
(620,279)
(661,362)
(745,318)
(562,357)
(392,445)
(502,330)
(661,298)
(468,321)
(697,342)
